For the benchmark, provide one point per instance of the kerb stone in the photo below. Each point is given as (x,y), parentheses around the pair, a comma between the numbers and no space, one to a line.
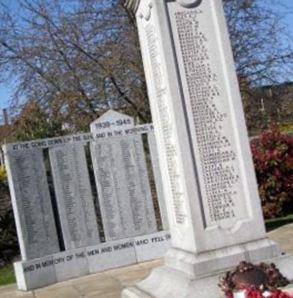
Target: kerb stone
(70,264)
(35,273)
(150,247)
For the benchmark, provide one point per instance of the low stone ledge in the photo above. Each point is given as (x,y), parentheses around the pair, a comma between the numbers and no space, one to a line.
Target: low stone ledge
(69,264)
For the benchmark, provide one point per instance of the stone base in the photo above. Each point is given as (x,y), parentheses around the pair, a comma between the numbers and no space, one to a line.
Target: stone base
(165,282)
(201,265)
(186,275)
(70,264)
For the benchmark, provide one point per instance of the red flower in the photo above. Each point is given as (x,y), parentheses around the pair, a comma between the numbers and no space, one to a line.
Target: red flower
(280,294)
(253,293)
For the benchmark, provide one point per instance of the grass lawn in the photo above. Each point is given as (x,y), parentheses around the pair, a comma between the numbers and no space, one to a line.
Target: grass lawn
(7,275)
(275,223)
(287,128)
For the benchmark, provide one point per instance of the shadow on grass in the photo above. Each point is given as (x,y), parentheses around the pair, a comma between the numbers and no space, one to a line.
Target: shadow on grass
(275,223)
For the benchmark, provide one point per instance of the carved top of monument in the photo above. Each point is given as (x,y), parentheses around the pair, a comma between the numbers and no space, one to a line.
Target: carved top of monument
(189,3)
(111,121)
(133,4)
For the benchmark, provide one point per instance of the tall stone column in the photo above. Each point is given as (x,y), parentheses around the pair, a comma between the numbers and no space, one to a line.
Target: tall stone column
(209,182)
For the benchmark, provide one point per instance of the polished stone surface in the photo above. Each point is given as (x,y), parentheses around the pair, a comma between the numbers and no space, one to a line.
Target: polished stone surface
(74,196)
(30,198)
(154,154)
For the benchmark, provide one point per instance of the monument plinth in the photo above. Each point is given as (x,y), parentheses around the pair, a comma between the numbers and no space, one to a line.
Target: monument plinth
(209,182)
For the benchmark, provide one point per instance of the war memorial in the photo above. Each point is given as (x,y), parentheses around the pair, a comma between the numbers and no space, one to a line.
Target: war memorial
(56,213)
(208,176)
(85,203)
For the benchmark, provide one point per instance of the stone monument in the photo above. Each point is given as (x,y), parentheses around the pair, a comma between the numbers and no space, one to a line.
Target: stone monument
(209,182)
(54,196)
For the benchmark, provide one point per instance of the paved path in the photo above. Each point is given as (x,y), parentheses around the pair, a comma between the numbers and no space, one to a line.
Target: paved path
(109,284)
(284,236)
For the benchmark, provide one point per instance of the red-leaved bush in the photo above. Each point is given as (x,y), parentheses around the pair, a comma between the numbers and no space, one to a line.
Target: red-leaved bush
(273,160)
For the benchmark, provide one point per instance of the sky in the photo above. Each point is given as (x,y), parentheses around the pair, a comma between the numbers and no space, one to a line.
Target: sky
(6,90)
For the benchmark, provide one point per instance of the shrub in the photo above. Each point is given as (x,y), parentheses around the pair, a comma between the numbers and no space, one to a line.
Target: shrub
(8,237)
(5,203)
(3,177)
(4,192)
(273,160)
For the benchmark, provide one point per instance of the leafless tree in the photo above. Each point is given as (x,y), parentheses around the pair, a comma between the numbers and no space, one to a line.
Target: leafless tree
(261,43)
(76,59)
(79,58)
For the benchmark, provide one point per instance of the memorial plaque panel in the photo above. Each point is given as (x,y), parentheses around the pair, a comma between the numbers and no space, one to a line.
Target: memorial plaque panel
(168,130)
(123,187)
(74,196)
(140,194)
(211,120)
(31,203)
(158,179)
(171,134)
